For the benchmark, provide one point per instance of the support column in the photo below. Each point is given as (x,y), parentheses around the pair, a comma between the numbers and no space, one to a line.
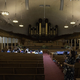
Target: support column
(2,44)
(7,43)
(15,43)
(68,42)
(18,42)
(79,43)
(75,43)
(11,43)
(71,42)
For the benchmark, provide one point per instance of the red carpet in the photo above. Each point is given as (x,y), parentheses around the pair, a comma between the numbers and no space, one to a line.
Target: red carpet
(51,70)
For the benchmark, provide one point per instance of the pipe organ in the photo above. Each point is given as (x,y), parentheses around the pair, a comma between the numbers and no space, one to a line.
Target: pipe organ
(43,29)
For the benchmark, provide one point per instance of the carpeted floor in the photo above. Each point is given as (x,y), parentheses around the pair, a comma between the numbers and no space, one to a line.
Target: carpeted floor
(51,70)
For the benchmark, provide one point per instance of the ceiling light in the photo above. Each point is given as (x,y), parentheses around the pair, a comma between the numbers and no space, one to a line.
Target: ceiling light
(47,5)
(66,26)
(41,5)
(21,25)
(15,21)
(5,13)
(72,22)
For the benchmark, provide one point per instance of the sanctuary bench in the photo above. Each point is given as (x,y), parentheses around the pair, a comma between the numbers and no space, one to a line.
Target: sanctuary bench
(21,61)
(77,70)
(21,65)
(19,56)
(22,70)
(22,77)
(18,66)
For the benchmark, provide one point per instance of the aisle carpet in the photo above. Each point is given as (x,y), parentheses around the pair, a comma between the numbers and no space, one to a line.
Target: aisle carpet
(51,70)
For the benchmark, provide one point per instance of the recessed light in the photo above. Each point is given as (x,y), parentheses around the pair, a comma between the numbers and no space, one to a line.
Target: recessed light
(47,5)
(41,5)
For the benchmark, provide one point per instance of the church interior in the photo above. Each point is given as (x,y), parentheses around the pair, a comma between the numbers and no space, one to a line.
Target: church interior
(34,35)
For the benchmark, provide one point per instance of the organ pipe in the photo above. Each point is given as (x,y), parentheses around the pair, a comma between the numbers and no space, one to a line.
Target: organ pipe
(49,27)
(46,21)
(45,30)
(37,28)
(40,21)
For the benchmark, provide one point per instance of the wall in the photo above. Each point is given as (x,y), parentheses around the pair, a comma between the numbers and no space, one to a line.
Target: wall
(9,40)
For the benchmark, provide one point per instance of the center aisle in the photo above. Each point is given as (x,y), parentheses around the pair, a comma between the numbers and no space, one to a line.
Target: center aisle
(51,70)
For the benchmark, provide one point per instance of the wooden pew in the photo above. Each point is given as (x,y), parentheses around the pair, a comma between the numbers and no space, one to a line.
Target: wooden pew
(21,65)
(22,70)
(77,70)
(22,77)
(21,61)
(20,57)
(60,60)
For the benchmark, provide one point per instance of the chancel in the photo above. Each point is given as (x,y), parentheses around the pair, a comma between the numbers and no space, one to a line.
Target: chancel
(39,39)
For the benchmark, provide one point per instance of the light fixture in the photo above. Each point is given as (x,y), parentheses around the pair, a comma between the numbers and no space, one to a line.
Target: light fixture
(15,20)
(66,26)
(27,4)
(61,4)
(41,5)
(21,25)
(5,13)
(47,5)
(72,22)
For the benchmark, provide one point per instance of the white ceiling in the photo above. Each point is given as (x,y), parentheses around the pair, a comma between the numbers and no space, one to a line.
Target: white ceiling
(31,16)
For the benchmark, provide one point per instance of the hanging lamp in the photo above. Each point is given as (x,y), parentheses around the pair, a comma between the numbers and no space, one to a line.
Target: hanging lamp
(21,25)
(66,26)
(15,20)
(72,22)
(5,13)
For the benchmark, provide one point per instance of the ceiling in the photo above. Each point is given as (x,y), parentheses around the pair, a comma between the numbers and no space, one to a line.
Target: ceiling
(31,16)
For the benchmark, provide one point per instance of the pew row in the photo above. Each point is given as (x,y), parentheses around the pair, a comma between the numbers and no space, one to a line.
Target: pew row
(22,77)
(21,65)
(77,70)
(20,61)
(22,70)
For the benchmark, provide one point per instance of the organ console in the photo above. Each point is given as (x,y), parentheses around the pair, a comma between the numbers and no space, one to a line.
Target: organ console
(43,29)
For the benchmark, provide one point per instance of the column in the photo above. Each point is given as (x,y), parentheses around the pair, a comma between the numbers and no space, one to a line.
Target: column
(79,43)
(2,44)
(18,42)
(68,42)
(71,42)
(7,42)
(75,43)
(11,43)
(15,43)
